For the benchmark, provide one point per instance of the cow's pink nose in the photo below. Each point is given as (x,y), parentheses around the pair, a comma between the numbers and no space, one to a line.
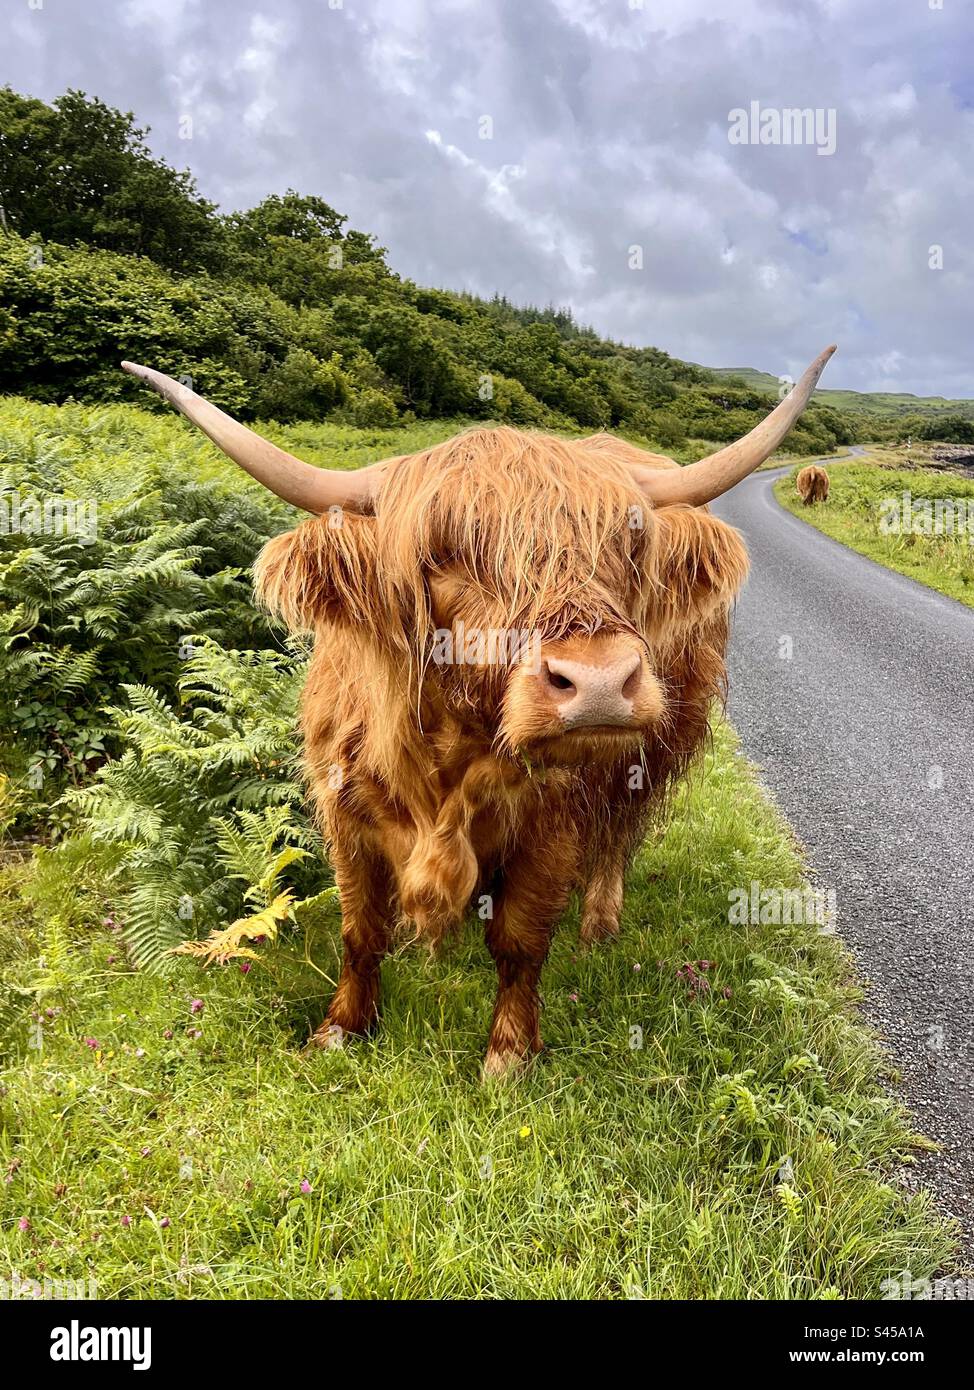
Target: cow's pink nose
(588,695)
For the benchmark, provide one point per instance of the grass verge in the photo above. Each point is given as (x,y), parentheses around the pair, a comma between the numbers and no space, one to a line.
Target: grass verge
(866,496)
(724,1140)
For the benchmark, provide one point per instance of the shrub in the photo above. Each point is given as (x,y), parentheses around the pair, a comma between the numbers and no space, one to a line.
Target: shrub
(302,387)
(373,409)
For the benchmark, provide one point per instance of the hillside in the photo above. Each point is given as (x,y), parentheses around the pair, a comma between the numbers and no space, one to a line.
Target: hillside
(883,404)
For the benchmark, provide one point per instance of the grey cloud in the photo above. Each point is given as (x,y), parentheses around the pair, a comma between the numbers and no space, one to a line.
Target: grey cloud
(609,130)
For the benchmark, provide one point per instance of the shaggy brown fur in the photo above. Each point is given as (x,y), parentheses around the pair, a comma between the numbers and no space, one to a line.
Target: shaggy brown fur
(441,785)
(812,484)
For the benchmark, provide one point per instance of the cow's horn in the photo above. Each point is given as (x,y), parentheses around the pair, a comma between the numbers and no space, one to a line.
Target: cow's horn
(701,482)
(297,482)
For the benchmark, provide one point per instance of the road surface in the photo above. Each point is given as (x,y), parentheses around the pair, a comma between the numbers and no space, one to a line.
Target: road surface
(853,690)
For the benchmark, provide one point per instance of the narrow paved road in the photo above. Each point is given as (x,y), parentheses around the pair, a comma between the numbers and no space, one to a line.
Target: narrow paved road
(865,736)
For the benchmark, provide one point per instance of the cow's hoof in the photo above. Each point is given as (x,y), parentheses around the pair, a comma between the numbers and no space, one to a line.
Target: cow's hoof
(505,1066)
(501,1066)
(329,1036)
(596,930)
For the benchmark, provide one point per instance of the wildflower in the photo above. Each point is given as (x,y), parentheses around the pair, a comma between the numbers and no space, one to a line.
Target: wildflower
(196,1006)
(167,1034)
(524,1131)
(637,967)
(145,1152)
(93,1043)
(697,984)
(305,1186)
(245,967)
(23,1224)
(164,1222)
(126,1220)
(573,997)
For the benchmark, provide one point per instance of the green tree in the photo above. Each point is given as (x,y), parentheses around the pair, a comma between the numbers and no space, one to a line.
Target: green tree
(80,171)
(296,245)
(950,429)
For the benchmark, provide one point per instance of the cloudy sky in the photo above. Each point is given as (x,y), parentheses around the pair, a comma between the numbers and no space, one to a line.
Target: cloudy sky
(578,151)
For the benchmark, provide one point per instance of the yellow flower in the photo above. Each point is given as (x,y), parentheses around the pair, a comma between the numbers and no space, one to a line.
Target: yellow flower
(525,1131)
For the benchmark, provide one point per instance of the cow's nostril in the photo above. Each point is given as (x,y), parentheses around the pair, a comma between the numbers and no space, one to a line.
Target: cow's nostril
(631,685)
(557,681)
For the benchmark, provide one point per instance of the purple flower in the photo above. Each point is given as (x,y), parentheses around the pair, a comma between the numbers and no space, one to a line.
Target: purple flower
(164,1222)
(305,1186)
(126,1220)
(23,1224)
(92,1043)
(245,967)
(196,1006)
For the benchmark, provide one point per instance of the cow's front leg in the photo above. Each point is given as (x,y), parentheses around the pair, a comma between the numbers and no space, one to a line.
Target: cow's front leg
(365,890)
(602,907)
(535,892)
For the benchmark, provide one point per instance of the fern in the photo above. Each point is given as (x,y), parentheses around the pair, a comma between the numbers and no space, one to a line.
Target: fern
(222,946)
(82,615)
(198,839)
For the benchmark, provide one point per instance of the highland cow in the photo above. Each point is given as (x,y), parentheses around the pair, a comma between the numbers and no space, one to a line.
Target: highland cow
(506,784)
(813,485)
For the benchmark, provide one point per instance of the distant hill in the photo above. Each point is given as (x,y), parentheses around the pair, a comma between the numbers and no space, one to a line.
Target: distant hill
(885,403)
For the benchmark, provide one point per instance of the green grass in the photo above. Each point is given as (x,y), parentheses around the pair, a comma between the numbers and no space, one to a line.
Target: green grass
(84,437)
(609,1171)
(853,515)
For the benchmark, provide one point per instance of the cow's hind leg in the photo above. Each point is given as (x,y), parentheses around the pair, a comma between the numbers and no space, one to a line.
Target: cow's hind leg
(534,894)
(365,890)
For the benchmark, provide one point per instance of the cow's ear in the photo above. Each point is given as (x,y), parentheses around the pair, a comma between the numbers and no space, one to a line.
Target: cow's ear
(323,571)
(700,564)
